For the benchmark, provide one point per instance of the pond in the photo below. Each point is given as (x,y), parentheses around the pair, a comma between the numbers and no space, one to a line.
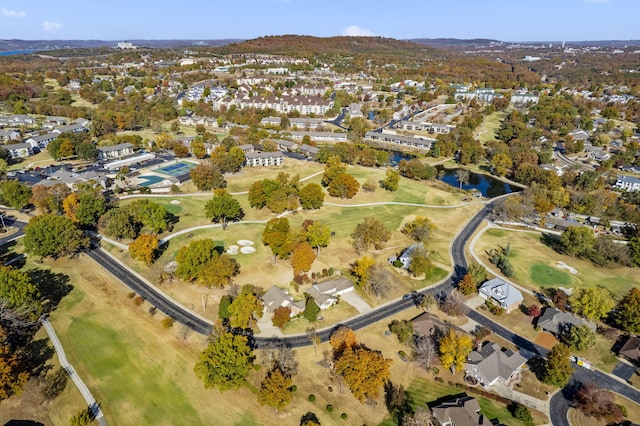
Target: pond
(396,156)
(488,186)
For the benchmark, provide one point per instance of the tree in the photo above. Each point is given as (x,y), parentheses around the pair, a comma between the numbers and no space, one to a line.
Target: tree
(309,419)
(557,368)
(302,258)
(627,314)
(223,307)
(370,232)
(361,269)
(119,223)
(332,169)
(592,303)
(420,262)
(342,339)
(151,215)
(534,311)
(594,401)
(83,417)
(478,272)
(223,208)
(454,349)
(467,285)
(634,250)
(144,248)
(318,235)
(193,258)
(226,362)
(244,310)
(424,349)
(311,196)
(462,176)
(314,338)
(279,355)
(281,316)
(379,281)
(205,177)
(391,182)
(364,371)
(579,338)
(49,198)
(275,390)
(53,236)
(344,186)
(13,376)
(521,412)
(501,163)
(397,401)
(14,194)
(403,329)
(420,229)
(577,240)
(276,235)
(219,271)
(311,310)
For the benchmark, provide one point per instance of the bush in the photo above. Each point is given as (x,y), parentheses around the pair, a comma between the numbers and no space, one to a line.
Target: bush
(131,295)
(138,300)
(522,413)
(256,367)
(439,379)
(311,398)
(623,410)
(343,416)
(496,310)
(398,263)
(167,322)
(294,388)
(329,408)
(153,310)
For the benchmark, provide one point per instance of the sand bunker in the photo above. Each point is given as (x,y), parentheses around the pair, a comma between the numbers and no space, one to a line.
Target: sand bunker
(232,249)
(175,202)
(245,243)
(247,250)
(563,265)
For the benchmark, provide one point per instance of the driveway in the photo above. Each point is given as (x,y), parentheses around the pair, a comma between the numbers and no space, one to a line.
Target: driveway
(356,301)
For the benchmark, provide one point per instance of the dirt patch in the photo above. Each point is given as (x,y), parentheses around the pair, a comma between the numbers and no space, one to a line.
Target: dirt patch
(546,340)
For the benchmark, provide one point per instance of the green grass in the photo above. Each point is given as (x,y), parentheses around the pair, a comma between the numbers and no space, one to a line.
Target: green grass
(109,355)
(546,275)
(423,391)
(489,127)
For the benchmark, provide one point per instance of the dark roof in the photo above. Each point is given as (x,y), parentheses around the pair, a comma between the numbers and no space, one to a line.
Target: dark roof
(553,319)
(460,412)
(631,349)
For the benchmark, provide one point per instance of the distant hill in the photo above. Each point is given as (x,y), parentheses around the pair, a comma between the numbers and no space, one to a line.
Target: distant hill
(345,45)
(446,42)
(15,44)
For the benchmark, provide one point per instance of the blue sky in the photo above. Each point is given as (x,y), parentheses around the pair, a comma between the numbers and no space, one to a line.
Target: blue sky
(507,20)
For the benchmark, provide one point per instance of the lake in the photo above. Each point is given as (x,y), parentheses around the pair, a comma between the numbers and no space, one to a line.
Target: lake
(488,186)
(16,52)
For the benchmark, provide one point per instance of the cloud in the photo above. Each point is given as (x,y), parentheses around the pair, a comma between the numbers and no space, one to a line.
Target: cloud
(10,13)
(356,31)
(51,26)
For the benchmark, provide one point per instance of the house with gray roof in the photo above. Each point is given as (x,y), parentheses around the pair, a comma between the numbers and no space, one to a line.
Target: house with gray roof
(405,256)
(501,292)
(276,297)
(554,321)
(463,411)
(19,150)
(490,364)
(259,158)
(628,183)
(308,150)
(115,151)
(41,141)
(9,134)
(326,293)
(285,145)
(421,143)
(631,350)
(71,128)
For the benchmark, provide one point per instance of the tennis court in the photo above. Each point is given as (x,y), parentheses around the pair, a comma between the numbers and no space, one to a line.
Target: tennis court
(177,169)
(150,180)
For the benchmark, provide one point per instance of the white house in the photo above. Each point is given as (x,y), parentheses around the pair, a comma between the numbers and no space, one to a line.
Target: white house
(42,141)
(628,183)
(326,293)
(491,364)
(425,144)
(19,150)
(115,151)
(501,292)
(259,158)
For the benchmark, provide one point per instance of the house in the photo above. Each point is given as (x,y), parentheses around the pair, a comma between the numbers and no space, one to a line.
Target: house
(427,325)
(258,158)
(305,123)
(425,144)
(9,135)
(285,145)
(326,293)
(579,135)
(247,148)
(631,350)
(463,411)
(19,150)
(628,183)
(71,128)
(308,150)
(405,257)
(501,292)
(82,121)
(555,321)
(276,297)
(72,179)
(115,151)
(558,170)
(41,141)
(560,224)
(355,110)
(490,364)
(320,136)
(630,169)
(270,121)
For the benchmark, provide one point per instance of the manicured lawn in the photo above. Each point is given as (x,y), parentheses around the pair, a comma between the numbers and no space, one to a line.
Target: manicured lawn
(487,130)
(528,250)
(545,275)
(41,159)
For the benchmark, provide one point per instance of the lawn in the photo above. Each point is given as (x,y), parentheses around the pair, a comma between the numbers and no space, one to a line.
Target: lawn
(576,418)
(487,130)
(545,275)
(241,181)
(41,159)
(528,250)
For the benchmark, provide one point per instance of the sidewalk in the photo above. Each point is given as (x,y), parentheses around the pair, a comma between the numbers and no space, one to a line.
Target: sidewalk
(521,398)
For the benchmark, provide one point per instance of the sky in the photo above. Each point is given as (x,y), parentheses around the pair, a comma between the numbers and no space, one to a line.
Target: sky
(505,20)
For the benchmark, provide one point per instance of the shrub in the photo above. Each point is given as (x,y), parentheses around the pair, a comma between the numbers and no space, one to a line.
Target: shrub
(256,367)
(329,408)
(522,413)
(167,322)
(439,379)
(138,300)
(343,416)
(623,410)
(131,295)
(153,310)
(311,398)
(294,388)
(398,263)
(496,310)
(402,354)
(330,272)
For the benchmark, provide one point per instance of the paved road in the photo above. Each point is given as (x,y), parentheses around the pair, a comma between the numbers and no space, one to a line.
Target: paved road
(86,394)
